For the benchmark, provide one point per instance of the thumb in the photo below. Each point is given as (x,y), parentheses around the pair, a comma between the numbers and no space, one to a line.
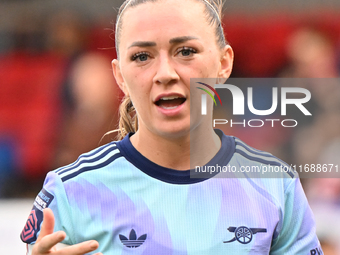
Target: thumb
(47,226)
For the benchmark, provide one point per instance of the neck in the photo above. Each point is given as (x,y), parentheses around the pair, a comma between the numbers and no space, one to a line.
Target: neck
(185,152)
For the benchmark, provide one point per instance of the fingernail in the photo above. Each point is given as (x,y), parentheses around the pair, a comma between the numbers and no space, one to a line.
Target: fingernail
(93,245)
(59,235)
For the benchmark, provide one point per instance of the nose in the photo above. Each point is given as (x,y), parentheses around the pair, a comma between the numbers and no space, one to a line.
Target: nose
(166,72)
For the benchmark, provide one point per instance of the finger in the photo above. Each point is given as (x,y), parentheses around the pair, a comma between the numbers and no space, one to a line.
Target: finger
(80,249)
(49,241)
(47,226)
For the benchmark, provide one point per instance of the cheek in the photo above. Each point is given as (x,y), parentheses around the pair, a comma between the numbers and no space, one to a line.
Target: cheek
(214,64)
(137,75)
(204,69)
(208,65)
(138,90)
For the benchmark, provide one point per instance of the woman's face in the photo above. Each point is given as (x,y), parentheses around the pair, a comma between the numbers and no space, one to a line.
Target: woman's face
(162,45)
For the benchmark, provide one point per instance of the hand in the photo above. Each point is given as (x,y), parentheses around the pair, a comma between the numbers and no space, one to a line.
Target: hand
(47,240)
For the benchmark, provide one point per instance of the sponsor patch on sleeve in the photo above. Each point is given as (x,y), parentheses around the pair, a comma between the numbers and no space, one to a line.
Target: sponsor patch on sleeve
(32,227)
(316,251)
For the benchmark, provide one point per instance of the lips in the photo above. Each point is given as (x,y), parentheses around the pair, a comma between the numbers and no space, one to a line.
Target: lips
(170,102)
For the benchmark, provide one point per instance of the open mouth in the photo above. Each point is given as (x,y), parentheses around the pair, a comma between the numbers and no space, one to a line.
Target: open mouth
(170,102)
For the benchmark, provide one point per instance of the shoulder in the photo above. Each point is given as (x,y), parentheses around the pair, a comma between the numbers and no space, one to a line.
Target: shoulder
(261,164)
(265,174)
(268,175)
(87,163)
(65,189)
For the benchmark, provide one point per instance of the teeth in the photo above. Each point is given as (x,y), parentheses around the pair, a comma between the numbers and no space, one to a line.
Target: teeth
(170,98)
(169,108)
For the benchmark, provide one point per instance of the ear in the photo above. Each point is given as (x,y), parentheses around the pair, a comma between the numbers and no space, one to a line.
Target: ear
(119,77)
(226,62)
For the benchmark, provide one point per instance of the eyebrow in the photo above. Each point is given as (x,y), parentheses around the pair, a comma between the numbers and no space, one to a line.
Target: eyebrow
(175,40)
(182,39)
(142,44)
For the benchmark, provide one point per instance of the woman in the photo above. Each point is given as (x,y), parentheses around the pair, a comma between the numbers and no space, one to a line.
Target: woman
(136,196)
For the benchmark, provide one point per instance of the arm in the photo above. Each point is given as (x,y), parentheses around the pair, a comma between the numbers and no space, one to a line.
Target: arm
(52,212)
(295,234)
(49,242)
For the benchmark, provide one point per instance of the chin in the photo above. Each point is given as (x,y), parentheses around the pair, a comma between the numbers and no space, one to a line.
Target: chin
(174,131)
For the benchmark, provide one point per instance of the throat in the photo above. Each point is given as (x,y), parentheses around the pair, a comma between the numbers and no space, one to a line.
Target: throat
(169,153)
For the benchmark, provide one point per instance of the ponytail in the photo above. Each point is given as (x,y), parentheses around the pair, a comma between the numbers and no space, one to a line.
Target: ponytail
(128,118)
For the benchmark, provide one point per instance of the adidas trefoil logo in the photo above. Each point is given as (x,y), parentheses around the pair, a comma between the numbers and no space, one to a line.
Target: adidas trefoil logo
(132,241)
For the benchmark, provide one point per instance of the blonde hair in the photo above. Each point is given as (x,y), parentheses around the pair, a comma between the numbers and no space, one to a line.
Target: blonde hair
(128,121)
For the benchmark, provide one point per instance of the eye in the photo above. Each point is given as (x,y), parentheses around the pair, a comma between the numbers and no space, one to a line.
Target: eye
(140,57)
(186,51)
